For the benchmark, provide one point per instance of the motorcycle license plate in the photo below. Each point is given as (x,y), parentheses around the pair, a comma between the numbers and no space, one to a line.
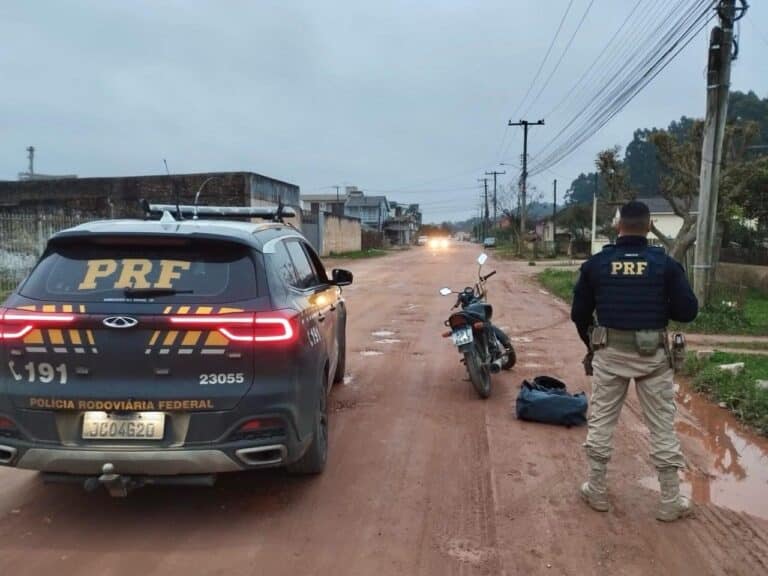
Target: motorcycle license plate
(462,336)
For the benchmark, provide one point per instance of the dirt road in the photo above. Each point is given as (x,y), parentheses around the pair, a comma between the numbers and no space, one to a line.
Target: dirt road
(423,477)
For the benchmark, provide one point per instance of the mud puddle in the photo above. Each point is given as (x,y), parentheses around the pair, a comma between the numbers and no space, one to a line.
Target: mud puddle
(383,333)
(728,465)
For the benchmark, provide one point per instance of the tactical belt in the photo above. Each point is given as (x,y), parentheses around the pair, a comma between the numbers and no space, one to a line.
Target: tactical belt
(626,340)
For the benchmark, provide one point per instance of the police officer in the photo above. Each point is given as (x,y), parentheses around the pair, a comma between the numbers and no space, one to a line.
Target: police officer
(634,289)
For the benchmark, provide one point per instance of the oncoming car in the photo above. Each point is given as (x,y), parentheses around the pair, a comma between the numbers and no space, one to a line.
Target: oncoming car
(438,243)
(162,351)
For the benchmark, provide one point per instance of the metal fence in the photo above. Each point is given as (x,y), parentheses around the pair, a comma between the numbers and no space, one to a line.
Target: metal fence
(22,239)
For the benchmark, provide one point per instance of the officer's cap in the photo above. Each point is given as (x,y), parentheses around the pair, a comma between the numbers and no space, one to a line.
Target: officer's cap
(635,210)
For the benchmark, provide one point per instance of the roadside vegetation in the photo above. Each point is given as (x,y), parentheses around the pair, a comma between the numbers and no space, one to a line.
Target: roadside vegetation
(721,317)
(741,393)
(358,254)
(559,282)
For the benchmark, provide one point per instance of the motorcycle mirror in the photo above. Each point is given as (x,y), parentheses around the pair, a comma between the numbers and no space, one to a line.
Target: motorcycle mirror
(445,291)
(482,259)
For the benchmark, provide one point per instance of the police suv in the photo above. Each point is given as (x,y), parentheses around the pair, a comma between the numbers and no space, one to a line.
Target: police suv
(169,350)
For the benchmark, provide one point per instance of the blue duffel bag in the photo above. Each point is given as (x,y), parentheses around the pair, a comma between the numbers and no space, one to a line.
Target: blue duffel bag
(547,400)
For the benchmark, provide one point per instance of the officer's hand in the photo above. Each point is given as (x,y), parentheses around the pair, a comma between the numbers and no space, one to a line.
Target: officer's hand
(587,362)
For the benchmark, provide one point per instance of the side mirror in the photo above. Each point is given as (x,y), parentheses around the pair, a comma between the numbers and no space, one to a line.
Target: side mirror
(482,259)
(445,291)
(341,277)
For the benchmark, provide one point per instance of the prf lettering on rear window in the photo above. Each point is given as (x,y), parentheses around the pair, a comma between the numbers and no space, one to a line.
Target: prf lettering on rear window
(629,268)
(133,273)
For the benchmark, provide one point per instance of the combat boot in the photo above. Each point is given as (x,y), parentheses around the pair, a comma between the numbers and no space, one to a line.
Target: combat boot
(673,505)
(594,491)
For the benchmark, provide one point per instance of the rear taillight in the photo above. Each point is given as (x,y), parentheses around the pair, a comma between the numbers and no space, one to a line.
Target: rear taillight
(457,320)
(279,326)
(6,424)
(15,324)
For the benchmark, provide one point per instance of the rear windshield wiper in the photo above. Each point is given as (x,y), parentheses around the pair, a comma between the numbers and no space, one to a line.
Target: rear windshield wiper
(149,292)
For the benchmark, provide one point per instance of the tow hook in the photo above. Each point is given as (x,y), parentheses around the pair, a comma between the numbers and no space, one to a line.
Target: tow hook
(117,485)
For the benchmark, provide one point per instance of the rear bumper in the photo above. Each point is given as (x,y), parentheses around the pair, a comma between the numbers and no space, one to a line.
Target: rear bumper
(150,462)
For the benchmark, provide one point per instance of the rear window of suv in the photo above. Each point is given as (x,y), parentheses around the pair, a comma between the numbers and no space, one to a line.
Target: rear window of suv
(191,272)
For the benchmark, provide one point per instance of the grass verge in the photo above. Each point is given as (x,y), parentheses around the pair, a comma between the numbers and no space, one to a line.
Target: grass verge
(740,393)
(358,254)
(559,282)
(718,318)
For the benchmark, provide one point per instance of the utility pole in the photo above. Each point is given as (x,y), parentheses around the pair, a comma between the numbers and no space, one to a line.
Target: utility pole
(718,85)
(554,215)
(524,176)
(485,219)
(31,157)
(594,215)
(494,173)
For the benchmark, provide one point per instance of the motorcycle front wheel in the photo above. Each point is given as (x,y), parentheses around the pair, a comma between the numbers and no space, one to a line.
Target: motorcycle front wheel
(479,375)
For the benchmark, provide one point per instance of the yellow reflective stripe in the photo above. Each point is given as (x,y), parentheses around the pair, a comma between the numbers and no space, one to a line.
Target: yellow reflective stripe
(230,310)
(66,308)
(183,310)
(204,309)
(167,309)
(49,308)
(56,336)
(89,334)
(82,309)
(74,337)
(191,338)
(152,340)
(34,337)
(216,339)
(31,308)
(170,338)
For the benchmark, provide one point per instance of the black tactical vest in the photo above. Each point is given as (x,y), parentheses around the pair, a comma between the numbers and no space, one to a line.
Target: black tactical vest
(630,291)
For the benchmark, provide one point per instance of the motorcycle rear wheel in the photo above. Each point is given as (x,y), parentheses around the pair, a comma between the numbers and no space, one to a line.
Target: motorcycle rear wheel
(479,375)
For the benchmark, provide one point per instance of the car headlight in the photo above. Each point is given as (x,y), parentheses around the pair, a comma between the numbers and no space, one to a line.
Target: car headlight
(444,243)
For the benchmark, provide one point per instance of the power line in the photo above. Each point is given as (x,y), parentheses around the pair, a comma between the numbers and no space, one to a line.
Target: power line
(626,87)
(569,94)
(538,72)
(625,97)
(562,55)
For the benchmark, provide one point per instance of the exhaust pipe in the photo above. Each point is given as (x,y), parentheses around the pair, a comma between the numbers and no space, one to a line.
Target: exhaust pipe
(7,454)
(495,366)
(262,455)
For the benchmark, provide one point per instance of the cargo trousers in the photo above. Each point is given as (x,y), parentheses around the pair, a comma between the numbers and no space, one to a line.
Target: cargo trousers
(613,369)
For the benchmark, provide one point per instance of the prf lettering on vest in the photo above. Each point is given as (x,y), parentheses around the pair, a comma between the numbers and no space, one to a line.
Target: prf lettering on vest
(133,273)
(629,268)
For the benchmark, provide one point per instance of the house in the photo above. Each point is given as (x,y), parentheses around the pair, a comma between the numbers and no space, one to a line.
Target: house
(403,223)
(663,217)
(325,203)
(372,211)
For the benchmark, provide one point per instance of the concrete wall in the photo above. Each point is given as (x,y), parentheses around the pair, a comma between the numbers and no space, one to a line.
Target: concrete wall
(341,234)
(93,198)
(743,275)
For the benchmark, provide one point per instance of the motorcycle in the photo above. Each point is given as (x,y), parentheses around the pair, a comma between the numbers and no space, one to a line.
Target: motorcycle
(486,348)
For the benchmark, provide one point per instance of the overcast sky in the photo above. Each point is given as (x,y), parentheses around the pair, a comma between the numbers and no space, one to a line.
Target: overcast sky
(407,97)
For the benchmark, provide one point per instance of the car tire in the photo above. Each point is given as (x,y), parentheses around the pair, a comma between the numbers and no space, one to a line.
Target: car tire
(312,462)
(341,364)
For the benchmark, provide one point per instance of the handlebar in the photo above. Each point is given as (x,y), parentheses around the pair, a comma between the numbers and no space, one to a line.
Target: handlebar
(489,275)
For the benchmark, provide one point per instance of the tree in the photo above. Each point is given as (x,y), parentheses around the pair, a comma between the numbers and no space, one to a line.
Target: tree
(642,164)
(582,189)
(681,160)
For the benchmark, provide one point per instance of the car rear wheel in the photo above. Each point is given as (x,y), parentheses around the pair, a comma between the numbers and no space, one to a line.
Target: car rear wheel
(313,460)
